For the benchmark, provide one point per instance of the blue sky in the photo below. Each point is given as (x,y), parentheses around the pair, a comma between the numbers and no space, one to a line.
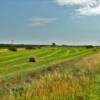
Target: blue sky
(47,21)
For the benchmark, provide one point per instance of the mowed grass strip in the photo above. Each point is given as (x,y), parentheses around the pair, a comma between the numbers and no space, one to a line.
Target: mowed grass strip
(22,65)
(20,56)
(12,55)
(8,69)
(24,59)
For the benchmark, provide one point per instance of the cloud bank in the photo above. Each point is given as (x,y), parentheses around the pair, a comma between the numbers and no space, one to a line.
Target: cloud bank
(86,7)
(39,21)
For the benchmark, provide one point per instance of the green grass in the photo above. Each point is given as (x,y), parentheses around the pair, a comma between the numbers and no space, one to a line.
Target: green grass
(17,62)
(15,68)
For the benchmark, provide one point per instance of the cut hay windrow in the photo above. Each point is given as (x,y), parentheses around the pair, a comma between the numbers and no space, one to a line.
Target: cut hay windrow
(21,63)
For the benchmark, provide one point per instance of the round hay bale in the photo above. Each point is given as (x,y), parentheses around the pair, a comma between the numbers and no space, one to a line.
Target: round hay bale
(32,59)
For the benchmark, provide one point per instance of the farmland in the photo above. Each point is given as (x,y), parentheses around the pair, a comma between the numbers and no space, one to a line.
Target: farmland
(57,72)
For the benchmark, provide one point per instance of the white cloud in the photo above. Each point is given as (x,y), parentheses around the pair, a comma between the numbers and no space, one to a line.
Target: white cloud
(89,11)
(76,2)
(86,7)
(39,21)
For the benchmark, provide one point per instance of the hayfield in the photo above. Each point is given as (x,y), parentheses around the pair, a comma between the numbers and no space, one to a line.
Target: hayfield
(59,73)
(13,63)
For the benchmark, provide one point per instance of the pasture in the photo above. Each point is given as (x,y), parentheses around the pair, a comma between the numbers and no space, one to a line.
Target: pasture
(53,65)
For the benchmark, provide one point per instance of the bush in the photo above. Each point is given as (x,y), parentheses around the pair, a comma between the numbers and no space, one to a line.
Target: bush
(29,47)
(89,46)
(12,48)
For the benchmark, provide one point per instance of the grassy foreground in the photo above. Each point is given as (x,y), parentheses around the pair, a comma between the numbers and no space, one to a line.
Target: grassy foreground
(60,73)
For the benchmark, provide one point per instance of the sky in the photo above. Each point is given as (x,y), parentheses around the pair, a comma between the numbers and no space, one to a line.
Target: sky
(45,21)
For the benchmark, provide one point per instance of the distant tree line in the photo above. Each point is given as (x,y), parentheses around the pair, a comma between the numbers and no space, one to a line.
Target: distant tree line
(27,46)
(30,46)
